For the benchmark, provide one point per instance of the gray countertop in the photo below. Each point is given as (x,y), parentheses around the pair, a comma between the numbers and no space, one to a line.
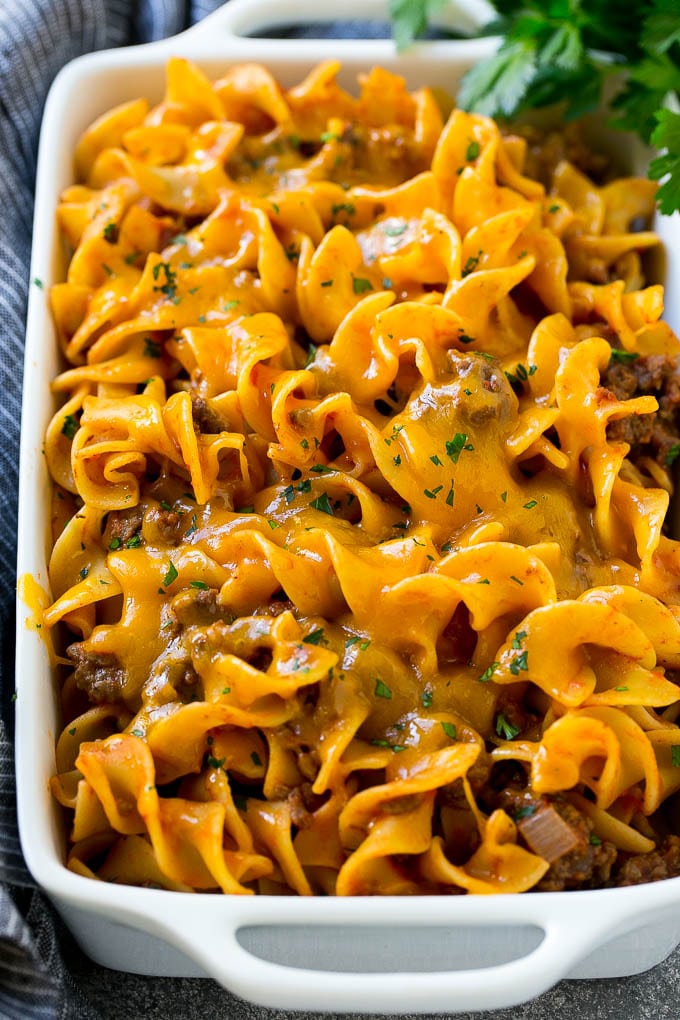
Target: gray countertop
(654,995)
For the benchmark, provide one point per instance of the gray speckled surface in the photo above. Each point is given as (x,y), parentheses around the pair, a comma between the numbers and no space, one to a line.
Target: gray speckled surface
(654,995)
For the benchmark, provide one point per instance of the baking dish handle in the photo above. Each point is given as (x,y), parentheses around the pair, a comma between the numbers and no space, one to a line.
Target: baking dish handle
(238,18)
(210,937)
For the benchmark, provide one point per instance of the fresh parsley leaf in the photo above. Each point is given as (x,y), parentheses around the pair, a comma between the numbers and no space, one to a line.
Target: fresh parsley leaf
(673,454)
(489,672)
(563,51)
(449,730)
(322,503)
(315,637)
(361,286)
(666,168)
(410,18)
(506,729)
(70,426)
(382,690)
(170,575)
(622,357)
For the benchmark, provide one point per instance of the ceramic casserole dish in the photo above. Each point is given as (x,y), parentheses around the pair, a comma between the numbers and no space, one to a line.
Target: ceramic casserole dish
(389,955)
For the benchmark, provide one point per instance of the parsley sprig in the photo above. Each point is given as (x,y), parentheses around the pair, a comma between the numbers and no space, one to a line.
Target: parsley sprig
(564,51)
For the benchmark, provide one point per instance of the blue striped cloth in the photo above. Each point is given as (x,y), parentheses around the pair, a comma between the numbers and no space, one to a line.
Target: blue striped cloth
(37,37)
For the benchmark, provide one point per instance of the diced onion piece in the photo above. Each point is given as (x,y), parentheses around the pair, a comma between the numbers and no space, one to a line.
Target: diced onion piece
(547,834)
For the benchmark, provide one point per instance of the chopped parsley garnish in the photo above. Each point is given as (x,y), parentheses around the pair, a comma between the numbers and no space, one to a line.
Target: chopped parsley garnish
(465,339)
(326,283)
(397,460)
(382,690)
(361,286)
(137,733)
(315,638)
(199,584)
(322,503)
(392,438)
(311,354)
(226,690)
(675,755)
(518,638)
(346,207)
(623,357)
(504,496)
(134,542)
(37,282)
(594,840)
(622,688)
(505,729)
(289,492)
(449,730)
(531,504)
(110,233)
(170,575)
(455,446)
(516,580)
(214,763)
(519,663)
(471,264)
(473,150)
(84,572)
(489,672)
(255,758)
(449,498)
(525,812)
(432,493)
(385,743)
(70,426)
(169,288)
(114,544)
(72,731)
(426,699)
(273,524)
(436,460)
(671,456)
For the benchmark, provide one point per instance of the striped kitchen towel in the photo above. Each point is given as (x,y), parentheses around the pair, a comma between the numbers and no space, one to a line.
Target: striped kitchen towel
(37,37)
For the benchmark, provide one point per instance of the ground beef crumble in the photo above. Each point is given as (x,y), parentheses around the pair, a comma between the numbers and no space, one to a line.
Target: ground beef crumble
(124,524)
(652,867)
(99,674)
(649,435)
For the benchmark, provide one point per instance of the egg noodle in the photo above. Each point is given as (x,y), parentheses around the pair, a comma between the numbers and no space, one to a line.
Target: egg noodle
(363,592)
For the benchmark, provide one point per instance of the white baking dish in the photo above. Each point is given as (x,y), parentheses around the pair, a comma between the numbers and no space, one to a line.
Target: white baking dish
(421,954)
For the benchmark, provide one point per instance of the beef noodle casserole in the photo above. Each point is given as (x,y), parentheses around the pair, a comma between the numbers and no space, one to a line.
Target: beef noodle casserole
(361,472)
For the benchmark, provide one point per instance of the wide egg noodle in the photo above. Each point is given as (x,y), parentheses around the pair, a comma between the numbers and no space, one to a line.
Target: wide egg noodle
(339,526)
